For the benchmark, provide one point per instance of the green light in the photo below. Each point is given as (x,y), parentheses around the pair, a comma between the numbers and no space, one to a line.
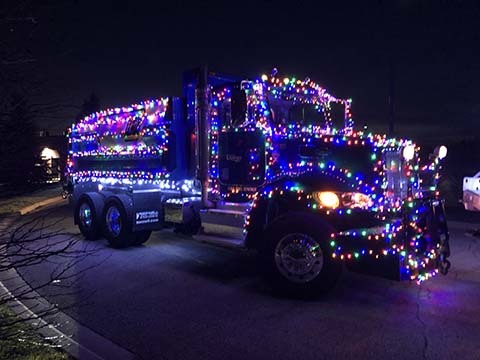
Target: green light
(332,243)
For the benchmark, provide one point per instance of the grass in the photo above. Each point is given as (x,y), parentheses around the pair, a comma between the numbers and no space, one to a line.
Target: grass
(21,342)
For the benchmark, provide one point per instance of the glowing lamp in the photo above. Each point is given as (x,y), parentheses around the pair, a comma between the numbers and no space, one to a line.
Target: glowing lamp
(440,152)
(48,153)
(327,199)
(408,152)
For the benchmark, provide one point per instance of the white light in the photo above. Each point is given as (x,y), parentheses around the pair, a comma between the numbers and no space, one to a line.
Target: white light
(48,153)
(441,152)
(327,199)
(408,152)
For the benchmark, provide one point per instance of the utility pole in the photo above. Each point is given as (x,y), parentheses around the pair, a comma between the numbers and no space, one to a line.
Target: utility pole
(391,95)
(387,21)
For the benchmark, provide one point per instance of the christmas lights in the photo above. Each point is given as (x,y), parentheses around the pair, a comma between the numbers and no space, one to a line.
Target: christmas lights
(125,134)
(378,176)
(388,182)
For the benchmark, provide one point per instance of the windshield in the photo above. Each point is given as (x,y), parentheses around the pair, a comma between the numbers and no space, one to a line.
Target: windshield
(355,159)
(286,112)
(331,154)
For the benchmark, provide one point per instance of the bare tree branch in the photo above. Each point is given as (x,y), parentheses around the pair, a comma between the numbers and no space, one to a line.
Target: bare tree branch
(37,241)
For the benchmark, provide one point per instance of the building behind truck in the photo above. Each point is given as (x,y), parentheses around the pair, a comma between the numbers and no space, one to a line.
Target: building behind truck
(259,164)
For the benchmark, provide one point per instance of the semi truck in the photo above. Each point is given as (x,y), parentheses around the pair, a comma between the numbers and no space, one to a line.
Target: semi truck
(262,164)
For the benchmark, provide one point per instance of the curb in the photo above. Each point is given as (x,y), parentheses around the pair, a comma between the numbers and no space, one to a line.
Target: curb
(35,206)
(76,339)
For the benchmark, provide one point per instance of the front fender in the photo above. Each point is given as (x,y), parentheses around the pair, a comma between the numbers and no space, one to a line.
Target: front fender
(286,197)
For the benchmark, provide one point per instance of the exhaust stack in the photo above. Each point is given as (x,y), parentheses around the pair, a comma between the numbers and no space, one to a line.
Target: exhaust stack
(202,125)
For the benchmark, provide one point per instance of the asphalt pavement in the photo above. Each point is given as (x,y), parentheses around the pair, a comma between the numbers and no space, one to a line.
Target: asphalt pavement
(174,298)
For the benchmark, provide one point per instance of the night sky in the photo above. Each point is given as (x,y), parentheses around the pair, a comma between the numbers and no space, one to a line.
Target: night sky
(129,51)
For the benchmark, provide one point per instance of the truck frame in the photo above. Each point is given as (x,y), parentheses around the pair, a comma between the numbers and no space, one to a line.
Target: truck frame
(259,164)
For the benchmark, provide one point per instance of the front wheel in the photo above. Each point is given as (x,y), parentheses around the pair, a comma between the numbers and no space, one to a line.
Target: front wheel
(297,258)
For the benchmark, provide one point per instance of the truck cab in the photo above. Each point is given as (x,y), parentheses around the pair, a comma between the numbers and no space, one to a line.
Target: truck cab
(259,164)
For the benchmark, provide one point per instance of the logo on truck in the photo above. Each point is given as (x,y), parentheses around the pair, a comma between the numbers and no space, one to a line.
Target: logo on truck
(146,217)
(234,158)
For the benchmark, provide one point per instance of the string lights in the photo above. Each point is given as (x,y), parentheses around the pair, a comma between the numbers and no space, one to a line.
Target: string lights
(379,176)
(127,134)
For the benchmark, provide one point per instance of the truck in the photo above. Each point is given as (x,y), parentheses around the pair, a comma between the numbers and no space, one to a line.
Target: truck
(262,164)
(471,192)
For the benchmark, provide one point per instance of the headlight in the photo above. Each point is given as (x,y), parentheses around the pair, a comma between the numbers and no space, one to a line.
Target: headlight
(356,200)
(327,199)
(331,200)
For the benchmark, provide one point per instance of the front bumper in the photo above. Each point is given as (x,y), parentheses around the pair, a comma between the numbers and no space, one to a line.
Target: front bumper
(414,247)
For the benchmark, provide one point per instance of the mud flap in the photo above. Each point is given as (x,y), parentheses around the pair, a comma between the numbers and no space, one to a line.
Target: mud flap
(147,211)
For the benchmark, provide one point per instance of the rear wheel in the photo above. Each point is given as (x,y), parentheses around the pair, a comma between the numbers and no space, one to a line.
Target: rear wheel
(117,229)
(87,219)
(298,260)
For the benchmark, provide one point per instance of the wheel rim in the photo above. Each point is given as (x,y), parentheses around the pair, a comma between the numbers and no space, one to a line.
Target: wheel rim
(113,221)
(85,215)
(299,258)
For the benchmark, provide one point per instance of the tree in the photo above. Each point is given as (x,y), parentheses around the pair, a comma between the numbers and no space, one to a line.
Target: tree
(24,101)
(17,146)
(90,105)
(36,241)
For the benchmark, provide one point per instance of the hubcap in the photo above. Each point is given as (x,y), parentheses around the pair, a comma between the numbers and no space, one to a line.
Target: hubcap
(299,258)
(85,215)
(113,221)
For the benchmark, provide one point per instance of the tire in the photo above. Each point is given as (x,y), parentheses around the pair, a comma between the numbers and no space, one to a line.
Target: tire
(141,237)
(296,257)
(117,228)
(87,219)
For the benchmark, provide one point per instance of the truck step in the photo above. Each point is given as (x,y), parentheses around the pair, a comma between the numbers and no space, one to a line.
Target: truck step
(225,205)
(221,241)
(223,223)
